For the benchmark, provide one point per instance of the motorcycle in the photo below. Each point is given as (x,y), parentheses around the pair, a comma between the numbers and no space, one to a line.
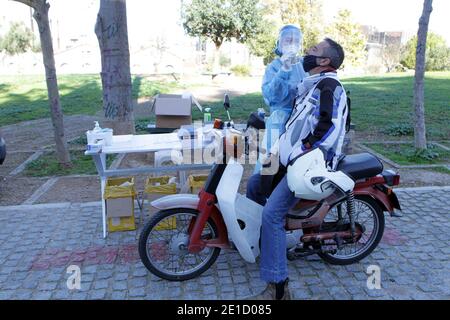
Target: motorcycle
(186,236)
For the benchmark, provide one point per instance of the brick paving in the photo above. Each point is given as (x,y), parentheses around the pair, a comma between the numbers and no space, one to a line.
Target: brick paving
(38,244)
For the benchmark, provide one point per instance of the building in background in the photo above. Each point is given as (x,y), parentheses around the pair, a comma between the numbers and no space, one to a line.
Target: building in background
(383,48)
(158,43)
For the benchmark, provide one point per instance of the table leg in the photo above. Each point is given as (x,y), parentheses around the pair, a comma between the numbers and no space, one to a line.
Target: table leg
(103,184)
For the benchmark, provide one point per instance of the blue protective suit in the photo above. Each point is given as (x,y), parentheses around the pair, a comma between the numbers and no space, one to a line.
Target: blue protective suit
(279,90)
(279,86)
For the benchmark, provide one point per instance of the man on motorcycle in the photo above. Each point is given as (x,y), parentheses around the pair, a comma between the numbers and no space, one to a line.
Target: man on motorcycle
(317,121)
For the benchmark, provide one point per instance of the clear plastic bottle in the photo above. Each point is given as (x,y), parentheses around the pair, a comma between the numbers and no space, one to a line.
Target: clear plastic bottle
(96,127)
(207,115)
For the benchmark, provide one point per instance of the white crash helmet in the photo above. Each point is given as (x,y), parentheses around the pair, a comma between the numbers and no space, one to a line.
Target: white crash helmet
(309,178)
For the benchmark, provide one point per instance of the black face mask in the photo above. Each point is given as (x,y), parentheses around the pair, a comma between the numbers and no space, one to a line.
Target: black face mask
(310,62)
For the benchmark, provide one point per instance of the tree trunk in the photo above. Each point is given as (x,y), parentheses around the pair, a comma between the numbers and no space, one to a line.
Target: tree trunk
(40,14)
(216,63)
(112,35)
(419,92)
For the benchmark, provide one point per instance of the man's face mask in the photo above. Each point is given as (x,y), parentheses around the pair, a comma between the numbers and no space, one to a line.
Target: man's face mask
(310,62)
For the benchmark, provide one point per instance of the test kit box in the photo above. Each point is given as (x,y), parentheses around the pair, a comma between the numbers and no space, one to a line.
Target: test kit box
(172,111)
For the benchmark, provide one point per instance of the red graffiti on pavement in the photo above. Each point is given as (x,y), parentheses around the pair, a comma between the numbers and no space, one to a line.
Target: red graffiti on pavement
(124,254)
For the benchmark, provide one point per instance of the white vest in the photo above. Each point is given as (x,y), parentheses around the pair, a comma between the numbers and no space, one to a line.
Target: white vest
(304,119)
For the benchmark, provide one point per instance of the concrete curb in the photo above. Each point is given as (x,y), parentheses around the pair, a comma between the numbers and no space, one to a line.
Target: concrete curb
(423,189)
(62,205)
(24,164)
(41,191)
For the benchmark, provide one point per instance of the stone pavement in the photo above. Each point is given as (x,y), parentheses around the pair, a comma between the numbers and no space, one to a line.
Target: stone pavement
(38,243)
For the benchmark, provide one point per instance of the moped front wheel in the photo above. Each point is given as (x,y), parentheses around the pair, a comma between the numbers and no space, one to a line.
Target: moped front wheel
(164,241)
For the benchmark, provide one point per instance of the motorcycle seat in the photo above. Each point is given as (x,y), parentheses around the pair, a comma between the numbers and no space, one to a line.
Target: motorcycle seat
(360,166)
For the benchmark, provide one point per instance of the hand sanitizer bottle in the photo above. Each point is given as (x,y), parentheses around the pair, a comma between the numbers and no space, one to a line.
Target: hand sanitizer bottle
(96,127)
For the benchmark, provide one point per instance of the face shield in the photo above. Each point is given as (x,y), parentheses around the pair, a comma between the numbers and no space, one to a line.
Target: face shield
(289,40)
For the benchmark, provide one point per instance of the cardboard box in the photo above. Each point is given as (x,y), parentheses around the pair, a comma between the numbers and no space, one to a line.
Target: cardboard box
(120,207)
(121,224)
(172,122)
(172,111)
(119,198)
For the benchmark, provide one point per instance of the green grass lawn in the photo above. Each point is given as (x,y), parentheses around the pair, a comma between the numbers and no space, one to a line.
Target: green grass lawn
(47,165)
(405,154)
(380,105)
(384,104)
(25,97)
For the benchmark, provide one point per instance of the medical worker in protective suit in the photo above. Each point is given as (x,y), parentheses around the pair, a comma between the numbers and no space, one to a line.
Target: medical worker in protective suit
(280,83)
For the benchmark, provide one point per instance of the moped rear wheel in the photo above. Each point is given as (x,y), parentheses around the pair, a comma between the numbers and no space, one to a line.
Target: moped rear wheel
(163,245)
(369,217)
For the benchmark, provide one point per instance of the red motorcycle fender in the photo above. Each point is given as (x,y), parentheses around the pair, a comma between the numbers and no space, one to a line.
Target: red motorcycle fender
(207,209)
(379,196)
(222,241)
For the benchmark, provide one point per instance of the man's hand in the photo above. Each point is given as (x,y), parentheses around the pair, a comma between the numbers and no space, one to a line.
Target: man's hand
(270,164)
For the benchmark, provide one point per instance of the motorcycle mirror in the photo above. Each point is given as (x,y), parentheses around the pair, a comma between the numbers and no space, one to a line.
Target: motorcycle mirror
(226,102)
(226,105)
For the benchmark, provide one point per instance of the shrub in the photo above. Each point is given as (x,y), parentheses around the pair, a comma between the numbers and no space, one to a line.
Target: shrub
(427,154)
(241,70)
(398,130)
(224,61)
(18,39)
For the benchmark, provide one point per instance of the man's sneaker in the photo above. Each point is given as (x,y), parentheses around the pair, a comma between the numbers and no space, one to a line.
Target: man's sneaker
(270,293)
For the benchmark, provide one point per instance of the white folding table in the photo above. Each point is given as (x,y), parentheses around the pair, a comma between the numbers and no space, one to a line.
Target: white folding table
(126,144)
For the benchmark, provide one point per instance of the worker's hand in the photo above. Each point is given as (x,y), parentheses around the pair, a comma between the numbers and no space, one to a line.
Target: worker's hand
(288,60)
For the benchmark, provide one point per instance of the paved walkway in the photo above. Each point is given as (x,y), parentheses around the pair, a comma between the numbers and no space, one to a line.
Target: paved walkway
(38,243)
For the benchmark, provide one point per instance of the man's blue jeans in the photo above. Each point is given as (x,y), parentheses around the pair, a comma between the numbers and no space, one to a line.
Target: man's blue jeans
(273,265)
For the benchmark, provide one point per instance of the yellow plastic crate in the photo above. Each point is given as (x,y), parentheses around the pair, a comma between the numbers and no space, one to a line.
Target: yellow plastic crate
(158,187)
(197,182)
(120,204)
(114,188)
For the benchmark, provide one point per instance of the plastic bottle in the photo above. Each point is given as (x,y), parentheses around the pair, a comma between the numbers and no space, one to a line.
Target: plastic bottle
(207,115)
(97,127)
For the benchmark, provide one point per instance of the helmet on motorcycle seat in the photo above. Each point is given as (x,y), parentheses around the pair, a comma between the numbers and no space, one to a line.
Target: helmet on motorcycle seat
(309,178)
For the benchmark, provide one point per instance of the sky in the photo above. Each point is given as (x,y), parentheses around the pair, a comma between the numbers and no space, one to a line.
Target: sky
(155,15)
